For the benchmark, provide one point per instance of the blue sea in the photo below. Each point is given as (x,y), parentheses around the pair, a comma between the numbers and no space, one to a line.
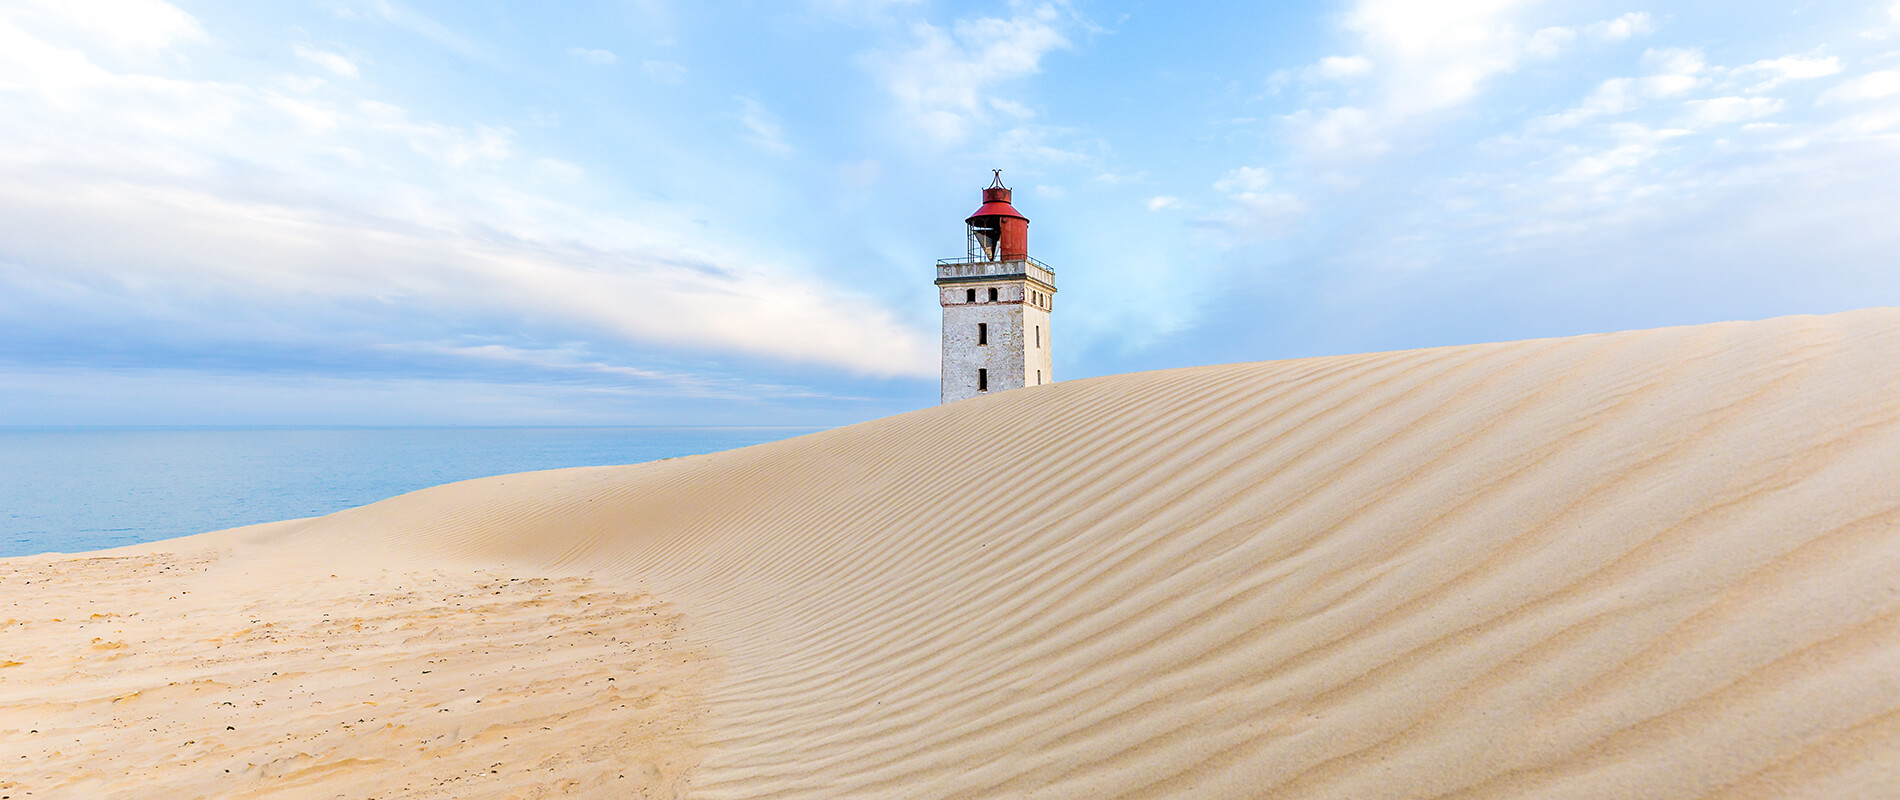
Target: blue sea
(76,489)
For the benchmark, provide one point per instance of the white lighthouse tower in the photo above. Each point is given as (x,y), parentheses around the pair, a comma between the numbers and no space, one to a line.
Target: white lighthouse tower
(996,304)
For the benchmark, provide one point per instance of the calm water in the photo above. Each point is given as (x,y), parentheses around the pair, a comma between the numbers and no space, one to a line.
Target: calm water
(76,489)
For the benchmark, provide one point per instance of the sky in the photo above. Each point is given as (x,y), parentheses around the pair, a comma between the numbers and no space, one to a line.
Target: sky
(659,212)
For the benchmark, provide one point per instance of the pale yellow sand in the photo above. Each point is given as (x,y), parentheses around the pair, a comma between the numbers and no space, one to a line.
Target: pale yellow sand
(158,676)
(1660,564)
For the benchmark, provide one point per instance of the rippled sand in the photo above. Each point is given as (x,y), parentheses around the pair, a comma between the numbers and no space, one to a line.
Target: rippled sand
(1657,564)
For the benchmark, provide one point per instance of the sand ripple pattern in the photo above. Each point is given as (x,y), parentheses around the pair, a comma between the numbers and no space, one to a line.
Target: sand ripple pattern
(1657,564)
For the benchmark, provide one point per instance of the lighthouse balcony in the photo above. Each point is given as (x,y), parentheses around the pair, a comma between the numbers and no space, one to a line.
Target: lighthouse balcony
(950,270)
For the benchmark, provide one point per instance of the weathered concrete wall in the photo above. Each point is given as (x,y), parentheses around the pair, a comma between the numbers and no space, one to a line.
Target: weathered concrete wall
(1038,367)
(1017,353)
(962,356)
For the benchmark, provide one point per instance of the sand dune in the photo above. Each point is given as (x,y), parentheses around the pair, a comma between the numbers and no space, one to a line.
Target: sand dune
(1659,564)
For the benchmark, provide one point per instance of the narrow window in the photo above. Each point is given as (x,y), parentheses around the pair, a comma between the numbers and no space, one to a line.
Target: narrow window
(1039,339)
(969,295)
(1038,377)
(982,333)
(982,380)
(992,294)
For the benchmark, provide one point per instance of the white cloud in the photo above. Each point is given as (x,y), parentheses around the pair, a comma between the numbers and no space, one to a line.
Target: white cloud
(1012,108)
(449,144)
(408,18)
(222,201)
(1163,203)
(125,24)
(1635,23)
(1244,179)
(592,56)
(1679,71)
(1724,110)
(1635,145)
(1676,60)
(1254,210)
(1778,71)
(1254,215)
(1872,86)
(947,82)
(1430,57)
(762,126)
(663,71)
(1438,54)
(1549,42)
(1342,67)
(1346,131)
(333,62)
(1044,145)
(572,360)
(555,170)
(314,117)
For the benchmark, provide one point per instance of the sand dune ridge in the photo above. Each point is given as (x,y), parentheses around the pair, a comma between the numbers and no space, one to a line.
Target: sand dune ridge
(1648,564)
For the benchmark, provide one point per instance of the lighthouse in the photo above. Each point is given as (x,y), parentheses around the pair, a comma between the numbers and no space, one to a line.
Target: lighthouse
(996,304)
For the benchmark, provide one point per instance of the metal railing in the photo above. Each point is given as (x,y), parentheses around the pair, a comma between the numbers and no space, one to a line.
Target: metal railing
(952,262)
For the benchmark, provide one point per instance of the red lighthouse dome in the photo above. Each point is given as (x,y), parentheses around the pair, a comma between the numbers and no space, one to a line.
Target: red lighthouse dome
(997,230)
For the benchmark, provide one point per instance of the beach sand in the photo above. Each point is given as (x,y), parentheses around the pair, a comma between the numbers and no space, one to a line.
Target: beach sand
(1656,564)
(166,676)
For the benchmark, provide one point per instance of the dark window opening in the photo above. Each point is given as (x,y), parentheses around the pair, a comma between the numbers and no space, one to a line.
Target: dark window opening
(1038,377)
(1038,338)
(982,333)
(992,294)
(969,295)
(982,380)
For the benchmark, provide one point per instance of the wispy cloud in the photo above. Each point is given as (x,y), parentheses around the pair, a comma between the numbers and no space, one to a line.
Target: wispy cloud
(1725,110)
(1342,67)
(593,56)
(1635,23)
(663,71)
(945,82)
(350,222)
(412,20)
(762,126)
(1677,72)
(1255,207)
(1775,72)
(451,145)
(122,25)
(575,362)
(335,63)
(1872,86)
(1427,58)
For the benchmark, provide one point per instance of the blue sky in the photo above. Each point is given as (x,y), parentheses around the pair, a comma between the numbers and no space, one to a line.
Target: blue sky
(653,212)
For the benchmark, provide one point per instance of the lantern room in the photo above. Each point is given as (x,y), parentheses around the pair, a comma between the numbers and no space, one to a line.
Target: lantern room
(998,232)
